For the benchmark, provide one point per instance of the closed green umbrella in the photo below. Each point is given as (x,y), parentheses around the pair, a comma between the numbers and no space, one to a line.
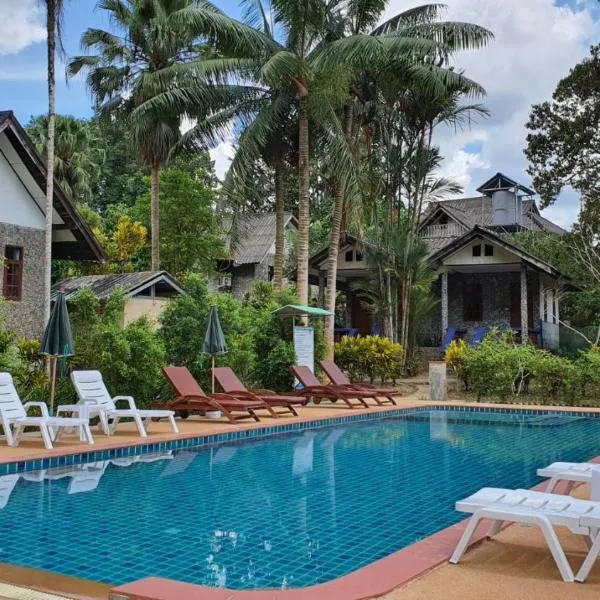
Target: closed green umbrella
(214,340)
(57,341)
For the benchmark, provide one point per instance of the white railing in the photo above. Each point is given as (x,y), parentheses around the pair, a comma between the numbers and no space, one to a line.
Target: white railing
(442,231)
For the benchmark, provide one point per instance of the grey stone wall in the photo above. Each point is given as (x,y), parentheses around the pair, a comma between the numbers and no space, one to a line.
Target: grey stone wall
(242,279)
(26,317)
(496,303)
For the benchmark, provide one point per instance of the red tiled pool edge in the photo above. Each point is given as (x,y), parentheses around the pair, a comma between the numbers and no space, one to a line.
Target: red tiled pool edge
(377,579)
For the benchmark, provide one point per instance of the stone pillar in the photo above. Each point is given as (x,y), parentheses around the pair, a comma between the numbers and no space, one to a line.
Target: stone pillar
(321,298)
(550,306)
(556,316)
(437,381)
(542,300)
(524,323)
(444,277)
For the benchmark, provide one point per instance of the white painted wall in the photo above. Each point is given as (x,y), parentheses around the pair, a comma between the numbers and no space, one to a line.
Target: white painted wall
(16,205)
(464,256)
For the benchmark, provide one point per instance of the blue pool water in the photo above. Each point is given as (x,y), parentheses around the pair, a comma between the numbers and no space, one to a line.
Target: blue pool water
(286,511)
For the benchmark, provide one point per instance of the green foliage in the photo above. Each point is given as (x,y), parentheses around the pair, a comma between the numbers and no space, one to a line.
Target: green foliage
(189,234)
(454,357)
(554,378)
(369,357)
(129,358)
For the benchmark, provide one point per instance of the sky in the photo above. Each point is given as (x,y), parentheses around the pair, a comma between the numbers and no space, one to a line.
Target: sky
(536,43)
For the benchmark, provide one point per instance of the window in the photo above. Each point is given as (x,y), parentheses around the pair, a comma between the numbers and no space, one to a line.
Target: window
(477,250)
(489,250)
(13,272)
(349,255)
(359,257)
(472,302)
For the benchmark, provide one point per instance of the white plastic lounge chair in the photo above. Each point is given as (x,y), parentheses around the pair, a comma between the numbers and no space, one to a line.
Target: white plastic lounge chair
(535,508)
(572,473)
(13,415)
(84,477)
(98,403)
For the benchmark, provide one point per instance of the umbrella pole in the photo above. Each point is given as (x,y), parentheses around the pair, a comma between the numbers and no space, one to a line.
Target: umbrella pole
(54,362)
(213,373)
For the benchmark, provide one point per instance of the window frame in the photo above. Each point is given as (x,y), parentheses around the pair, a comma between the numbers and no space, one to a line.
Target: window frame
(6,284)
(488,250)
(476,251)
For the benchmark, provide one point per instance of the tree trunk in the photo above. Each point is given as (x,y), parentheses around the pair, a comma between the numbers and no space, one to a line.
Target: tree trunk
(334,246)
(332,260)
(303,201)
(279,229)
(51,46)
(154,217)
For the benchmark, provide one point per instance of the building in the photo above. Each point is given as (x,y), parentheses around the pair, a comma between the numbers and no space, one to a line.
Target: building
(146,292)
(22,229)
(252,249)
(483,279)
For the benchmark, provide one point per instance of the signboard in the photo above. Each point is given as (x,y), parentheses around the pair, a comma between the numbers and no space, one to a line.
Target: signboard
(304,345)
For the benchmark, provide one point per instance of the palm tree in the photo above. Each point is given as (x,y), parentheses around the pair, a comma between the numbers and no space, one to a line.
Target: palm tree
(144,73)
(77,153)
(402,50)
(54,12)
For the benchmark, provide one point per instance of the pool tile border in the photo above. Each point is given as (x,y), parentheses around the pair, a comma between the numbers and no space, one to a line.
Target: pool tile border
(11,466)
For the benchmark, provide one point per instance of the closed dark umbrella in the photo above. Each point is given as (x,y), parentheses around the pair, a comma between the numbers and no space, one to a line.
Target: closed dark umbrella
(214,340)
(57,341)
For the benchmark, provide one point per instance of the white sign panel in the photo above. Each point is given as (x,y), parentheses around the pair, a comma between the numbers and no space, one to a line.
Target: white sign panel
(304,345)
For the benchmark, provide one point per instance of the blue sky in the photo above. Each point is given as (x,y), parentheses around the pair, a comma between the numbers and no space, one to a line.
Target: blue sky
(536,43)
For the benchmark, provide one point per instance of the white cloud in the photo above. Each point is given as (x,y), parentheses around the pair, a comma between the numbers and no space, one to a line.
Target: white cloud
(22,25)
(222,155)
(536,43)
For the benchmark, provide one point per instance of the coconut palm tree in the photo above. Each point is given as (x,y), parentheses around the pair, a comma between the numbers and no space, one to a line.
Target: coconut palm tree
(157,51)
(54,12)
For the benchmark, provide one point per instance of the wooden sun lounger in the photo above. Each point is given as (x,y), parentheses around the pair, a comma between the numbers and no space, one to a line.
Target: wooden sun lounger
(230,383)
(192,399)
(314,389)
(338,378)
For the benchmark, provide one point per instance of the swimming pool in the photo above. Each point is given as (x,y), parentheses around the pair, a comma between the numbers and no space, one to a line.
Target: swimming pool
(286,511)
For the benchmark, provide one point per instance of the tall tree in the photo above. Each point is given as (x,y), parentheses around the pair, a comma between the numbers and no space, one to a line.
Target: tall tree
(54,12)
(140,73)
(564,142)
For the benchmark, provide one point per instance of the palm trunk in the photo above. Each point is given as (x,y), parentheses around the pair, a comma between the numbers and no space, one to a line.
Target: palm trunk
(154,217)
(334,247)
(303,201)
(279,229)
(51,44)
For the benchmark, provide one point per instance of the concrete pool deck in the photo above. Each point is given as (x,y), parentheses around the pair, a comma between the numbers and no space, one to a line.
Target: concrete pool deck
(516,564)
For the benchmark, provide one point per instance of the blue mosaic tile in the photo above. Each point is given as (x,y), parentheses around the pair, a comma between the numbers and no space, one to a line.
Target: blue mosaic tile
(277,506)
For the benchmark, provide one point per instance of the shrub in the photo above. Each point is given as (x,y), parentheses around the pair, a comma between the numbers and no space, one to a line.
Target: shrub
(497,368)
(369,357)
(553,377)
(454,357)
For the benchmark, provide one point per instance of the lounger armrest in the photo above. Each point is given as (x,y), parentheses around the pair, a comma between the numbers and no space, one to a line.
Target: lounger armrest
(128,399)
(41,405)
(90,401)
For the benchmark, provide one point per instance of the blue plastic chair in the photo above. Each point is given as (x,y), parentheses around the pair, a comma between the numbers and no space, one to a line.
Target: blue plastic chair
(478,336)
(450,335)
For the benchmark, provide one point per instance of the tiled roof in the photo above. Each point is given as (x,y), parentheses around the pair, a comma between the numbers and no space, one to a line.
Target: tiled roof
(104,285)
(254,237)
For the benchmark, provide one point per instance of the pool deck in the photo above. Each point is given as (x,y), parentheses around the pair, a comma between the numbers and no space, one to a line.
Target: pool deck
(516,564)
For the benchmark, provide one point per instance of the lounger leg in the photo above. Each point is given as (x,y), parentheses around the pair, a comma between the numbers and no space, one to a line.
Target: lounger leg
(589,561)
(465,538)
(552,485)
(140,426)
(113,425)
(558,553)
(55,433)
(103,423)
(17,434)
(569,488)
(173,424)
(293,410)
(392,401)
(8,433)
(46,436)
(254,415)
(86,433)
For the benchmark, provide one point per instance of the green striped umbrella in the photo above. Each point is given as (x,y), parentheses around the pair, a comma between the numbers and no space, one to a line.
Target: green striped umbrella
(57,341)
(214,340)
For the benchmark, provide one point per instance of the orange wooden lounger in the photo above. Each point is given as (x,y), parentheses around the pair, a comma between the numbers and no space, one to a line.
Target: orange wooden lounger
(314,389)
(338,379)
(191,398)
(230,383)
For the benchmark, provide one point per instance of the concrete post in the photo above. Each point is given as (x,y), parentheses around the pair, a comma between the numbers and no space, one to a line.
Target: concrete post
(550,306)
(556,316)
(437,381)
(524,312)
(444,277)
(542,300)
(321,298)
